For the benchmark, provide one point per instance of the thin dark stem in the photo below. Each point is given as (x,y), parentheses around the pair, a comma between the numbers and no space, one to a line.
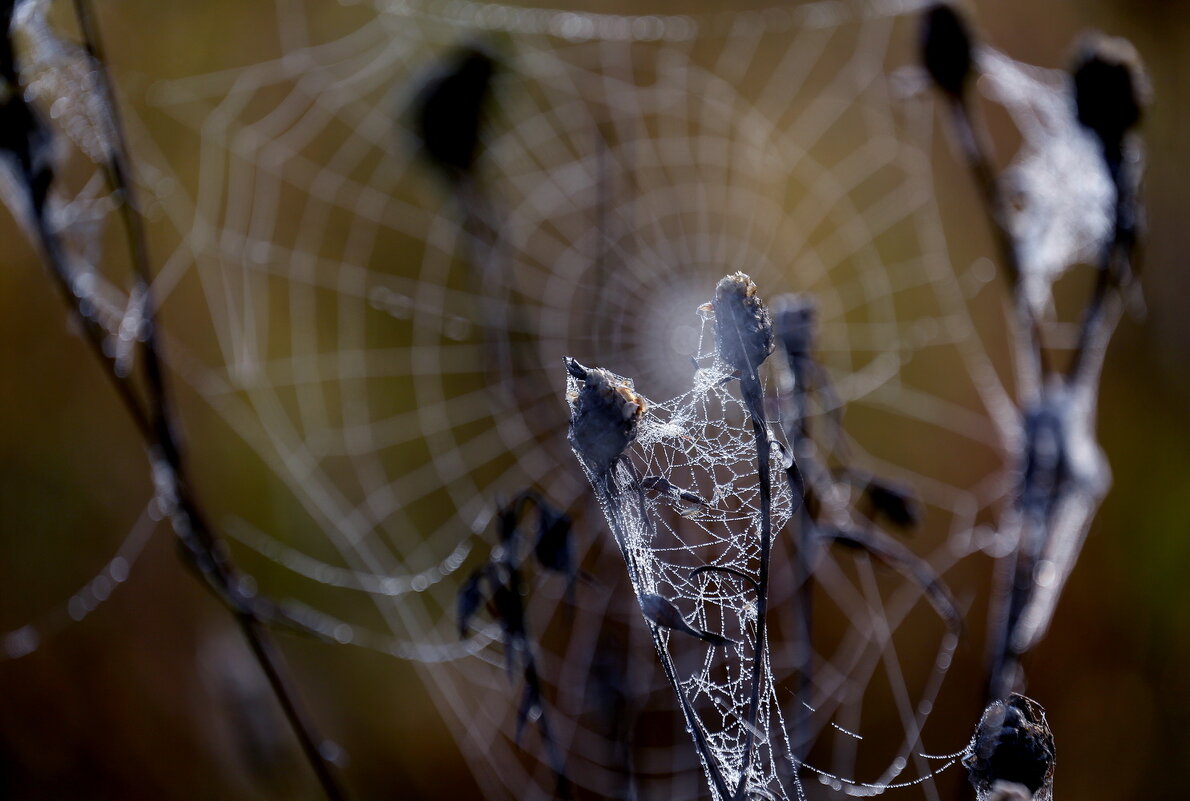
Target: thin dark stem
(1093,316)
(118,175)
(205,550)
(1032,367)
(754,400)
(533,684)
(730,571)
(92,331)
(208,556)
(610,499)
(797,432)
(271,662)
(1115,269)
(692,722)
(483,247)
(980,163)
(1003,662)
(975,153)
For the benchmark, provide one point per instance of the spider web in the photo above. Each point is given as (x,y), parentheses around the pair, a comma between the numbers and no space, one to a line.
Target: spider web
(698,464)
(633,161)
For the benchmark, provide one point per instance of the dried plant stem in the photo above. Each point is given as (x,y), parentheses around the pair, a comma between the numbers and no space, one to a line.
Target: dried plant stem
(1031,360)
(92,332)
(793,405)
(204,549)
(610,499)
(754,400)
(1016,570)
(1047,400)
(1114,269)
(803,577)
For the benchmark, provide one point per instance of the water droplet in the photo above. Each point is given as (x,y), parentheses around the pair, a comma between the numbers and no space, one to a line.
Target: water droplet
(983,270)
(333,752)
(21,642)
(76,608)
(101,588)
(1046,574)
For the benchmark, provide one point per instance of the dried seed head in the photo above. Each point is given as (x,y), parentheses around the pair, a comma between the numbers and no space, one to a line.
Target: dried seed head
(895,503)
(1111,87)
(946,48)
(794,320)
(471,597)
(743,328)
(604,415)
(451,110)
(554,547)
(1013,743)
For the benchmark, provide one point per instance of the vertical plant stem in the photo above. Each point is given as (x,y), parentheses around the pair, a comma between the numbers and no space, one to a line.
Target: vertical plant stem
(803,563)
(271,664)
(754,400)
(1032,369)
(207,552)
(610,499)
(1032,363)
(91,331)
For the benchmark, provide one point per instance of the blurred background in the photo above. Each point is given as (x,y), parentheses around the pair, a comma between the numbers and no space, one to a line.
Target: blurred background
(153,694)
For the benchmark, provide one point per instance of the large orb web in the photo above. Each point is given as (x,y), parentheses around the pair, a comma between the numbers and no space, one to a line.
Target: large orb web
(348,334)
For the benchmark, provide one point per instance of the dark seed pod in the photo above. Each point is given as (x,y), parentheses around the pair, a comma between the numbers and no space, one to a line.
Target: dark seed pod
(508,522)
(508,608)
(1013,743)
(946,48)
(604,416)
(1111,88)
(743,327)
(794,320)
(895,503)
(450,111)
(471,597)
(554,547)
(510,611)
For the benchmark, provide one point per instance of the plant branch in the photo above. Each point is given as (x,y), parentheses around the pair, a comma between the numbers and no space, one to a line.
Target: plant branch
(205,551)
